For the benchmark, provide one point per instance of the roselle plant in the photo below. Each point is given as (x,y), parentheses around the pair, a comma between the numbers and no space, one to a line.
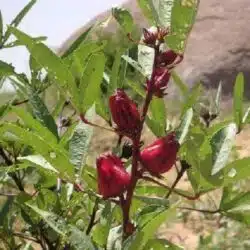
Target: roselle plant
(57,194)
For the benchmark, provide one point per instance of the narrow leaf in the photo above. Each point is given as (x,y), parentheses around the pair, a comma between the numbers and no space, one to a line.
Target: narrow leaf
(124,18)
(238,100)
(42,114)
(183,129)
(1,28)
(164,12)
(179,83)
(134,64)
(218,98)
(221,144)
(90,83)
(148,10)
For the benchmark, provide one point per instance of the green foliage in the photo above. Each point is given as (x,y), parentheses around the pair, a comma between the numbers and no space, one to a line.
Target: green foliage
(47,159)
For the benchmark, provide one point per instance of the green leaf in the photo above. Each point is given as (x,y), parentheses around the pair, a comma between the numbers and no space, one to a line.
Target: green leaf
(42,114)
(161,244)
(192,97)
(241,217)
(124,18)
(52,63)
(221,144)
(52,152)
(91,80)
(79,240)
(246,117)
(236,171)
(147,232)
(39,161)
(153,200)
(239,202)
(164,12)
(182,19)
(148,10)
(1,28)
(157,120)
(136,87)
(179,83)
(79,145)
(16,21)
(134,64)
(146,59)
(183,129)
(218,99)
(4,109)
(238,100)
(57,223)
(113,83)
(34,124)
(5,209)
(114,241)
(77,43)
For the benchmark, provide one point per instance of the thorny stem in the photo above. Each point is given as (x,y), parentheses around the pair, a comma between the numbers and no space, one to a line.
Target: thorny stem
(93,215)
(195,197)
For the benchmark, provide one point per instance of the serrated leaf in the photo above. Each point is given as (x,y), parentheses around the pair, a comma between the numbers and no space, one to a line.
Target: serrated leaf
(38,160)
(146,59)
(183,15)
(180,84)
(238,100)
(236,171)
(157,120)
(192,97)
(114,241)
(147,232)
(79,144)
(221,144)
(148,10)
(57,223)
(218,98)
(124,18)
(183,129)
(42,114)
(52,152)
(136,87)
(35,125)
(52,63)
(91,80)
(77,43)
(1,28)
(113,83)
(161,244)
(16,21)
(164,12)
(79,240)
(153,200)
(134,64)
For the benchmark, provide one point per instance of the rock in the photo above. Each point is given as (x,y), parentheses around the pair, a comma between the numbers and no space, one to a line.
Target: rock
(218,47)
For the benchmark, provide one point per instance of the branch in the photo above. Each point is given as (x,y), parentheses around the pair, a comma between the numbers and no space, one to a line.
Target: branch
(195,197)
(201,210)
(26,237)
(92,219)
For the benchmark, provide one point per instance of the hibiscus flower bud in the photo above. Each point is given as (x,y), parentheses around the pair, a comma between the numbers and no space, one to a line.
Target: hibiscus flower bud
(150,37)
(166,58)
(124,113)
(113,179)
(160,82)
(160,156)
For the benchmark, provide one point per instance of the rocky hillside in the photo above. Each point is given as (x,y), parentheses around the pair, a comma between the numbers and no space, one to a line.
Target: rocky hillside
(218,47)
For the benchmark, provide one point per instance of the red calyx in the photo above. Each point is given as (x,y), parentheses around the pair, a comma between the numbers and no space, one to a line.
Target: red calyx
(160,156)
(160,82)
(149,37)
(113,179)
(166,58)
(124,113)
